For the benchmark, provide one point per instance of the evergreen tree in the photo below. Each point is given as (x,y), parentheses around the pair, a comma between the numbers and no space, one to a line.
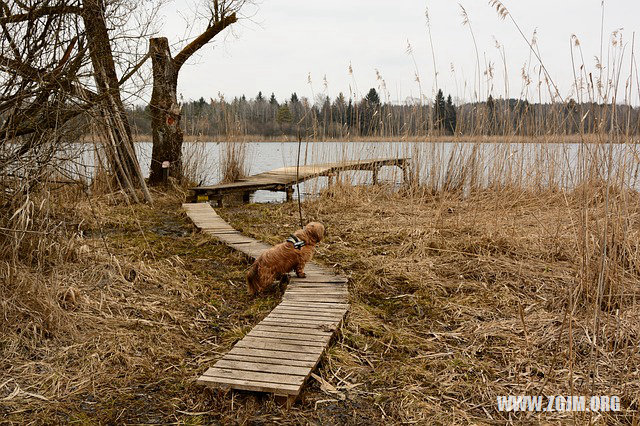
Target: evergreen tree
(491,114)
(439,110)
(372,97)
(294,98)
(350,120)
(273,100)
(259,98)
(338,109)
(283,115)
(450,116)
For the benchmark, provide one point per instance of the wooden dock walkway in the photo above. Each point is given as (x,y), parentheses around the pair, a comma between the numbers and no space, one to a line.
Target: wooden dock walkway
(277,355)
(284,178)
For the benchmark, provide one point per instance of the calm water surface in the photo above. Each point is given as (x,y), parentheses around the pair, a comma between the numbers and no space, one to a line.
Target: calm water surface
(557,163)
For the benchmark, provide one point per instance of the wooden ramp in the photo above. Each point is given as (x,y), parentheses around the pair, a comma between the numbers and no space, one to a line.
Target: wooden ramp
(283,179)
(279,353)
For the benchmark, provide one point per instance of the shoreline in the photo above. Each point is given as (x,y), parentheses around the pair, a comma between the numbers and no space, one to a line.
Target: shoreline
(573,139)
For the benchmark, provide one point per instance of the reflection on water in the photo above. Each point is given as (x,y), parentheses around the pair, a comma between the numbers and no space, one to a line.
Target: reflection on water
(558,165)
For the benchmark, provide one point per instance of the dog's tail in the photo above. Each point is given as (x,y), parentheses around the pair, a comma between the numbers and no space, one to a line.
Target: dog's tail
(252,279)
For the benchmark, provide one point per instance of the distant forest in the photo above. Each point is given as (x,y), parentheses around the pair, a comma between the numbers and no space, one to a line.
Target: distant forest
(369,117)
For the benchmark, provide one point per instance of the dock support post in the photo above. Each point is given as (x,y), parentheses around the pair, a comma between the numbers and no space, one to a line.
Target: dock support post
(405,174)
(329,180)
(375,170)
(289,191)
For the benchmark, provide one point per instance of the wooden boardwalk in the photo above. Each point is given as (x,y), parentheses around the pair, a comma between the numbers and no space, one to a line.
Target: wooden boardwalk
(284,178)
(278,354)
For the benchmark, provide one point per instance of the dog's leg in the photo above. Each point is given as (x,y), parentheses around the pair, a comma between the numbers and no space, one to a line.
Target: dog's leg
(284,282)
(252,277)
(300,270)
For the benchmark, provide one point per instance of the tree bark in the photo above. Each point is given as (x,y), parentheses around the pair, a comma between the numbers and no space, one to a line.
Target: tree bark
(165,113)
(118,131)
(165,110)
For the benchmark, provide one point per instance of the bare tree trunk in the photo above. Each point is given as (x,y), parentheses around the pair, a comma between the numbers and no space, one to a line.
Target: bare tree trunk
(165,113)
(126,164)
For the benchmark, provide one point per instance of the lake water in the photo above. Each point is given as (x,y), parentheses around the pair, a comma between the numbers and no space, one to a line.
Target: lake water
(542,164)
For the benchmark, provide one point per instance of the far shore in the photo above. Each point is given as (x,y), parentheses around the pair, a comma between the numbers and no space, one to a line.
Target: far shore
(574,138)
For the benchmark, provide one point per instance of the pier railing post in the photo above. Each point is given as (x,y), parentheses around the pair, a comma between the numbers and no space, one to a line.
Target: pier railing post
(405,173)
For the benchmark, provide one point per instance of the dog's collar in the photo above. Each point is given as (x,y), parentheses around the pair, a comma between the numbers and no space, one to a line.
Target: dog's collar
(297,242)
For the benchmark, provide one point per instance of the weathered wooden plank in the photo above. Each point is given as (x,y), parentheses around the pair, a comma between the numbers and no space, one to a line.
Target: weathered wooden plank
(303,317)
(271,353)
(290,336)
(262,367)
(319,278)
(321,325)
(311,298)
(288,328)
(317,292)
(255,343)
(275,361)
(274,378)
(321,307)
(308,304)
(308,312)
(250,385)
(271,339)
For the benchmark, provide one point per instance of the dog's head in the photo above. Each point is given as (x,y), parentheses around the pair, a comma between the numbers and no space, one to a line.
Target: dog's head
(314,231)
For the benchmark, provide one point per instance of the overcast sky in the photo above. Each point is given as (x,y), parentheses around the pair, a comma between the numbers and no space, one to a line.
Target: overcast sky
(286,40)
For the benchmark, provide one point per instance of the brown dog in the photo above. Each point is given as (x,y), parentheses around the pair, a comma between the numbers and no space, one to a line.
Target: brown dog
(279,260)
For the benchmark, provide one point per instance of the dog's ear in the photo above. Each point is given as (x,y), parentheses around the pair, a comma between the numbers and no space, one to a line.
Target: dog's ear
(315,231)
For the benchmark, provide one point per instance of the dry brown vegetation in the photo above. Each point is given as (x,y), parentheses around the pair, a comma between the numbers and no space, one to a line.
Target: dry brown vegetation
(117,330)
(456,301)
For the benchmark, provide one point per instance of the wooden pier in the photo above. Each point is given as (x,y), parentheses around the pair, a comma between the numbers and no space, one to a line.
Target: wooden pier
(277,355)
(285,178)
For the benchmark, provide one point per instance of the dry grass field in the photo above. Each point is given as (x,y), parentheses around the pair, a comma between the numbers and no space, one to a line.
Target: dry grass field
(455,300)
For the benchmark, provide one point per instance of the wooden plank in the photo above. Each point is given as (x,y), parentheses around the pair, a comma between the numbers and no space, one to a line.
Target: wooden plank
(317,307)
(316,313)
(255,343)
(275,361)
(303,317)
(292,329)
(270,353)
(290,336)
(307,312)
(284,317)
(321,325)
(319,297)
(318,285)
(260,342)
(318,278)
(262,367)
(308,304)
(316,292)
(274,378)
(250,385)
(311,298)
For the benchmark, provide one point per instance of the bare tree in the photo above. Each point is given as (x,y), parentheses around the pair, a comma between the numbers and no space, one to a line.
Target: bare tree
(165,110)
(56,65)
(117,127)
